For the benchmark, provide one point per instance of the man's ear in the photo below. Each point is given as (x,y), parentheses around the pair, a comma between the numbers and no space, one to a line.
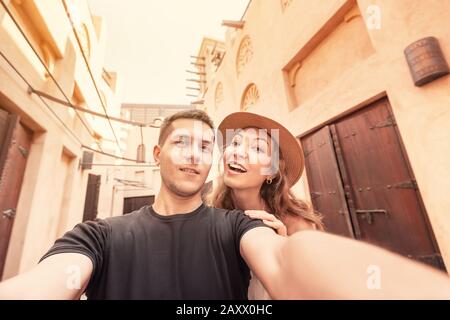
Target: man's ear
(156,154)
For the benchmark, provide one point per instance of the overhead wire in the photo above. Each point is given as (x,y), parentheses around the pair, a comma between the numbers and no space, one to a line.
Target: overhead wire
(81,144)
(42,95)
(11,16)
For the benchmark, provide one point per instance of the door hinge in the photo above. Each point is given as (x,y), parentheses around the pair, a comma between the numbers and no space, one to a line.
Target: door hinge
(23,151)
(9,213)
(411,184)
(315,195)
(389,122)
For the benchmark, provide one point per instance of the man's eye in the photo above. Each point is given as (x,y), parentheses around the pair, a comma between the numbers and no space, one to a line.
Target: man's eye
(180,142)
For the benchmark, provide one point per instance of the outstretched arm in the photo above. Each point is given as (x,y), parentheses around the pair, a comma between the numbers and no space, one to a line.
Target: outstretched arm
(317,265)
(61,276)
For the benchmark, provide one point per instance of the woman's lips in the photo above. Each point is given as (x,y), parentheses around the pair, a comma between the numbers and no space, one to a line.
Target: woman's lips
(232,172)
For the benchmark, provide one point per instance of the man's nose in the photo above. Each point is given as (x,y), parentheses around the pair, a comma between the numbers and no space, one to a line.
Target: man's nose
(192,154)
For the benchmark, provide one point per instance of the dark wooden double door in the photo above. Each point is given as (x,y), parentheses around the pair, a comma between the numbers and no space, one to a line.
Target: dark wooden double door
(361,181)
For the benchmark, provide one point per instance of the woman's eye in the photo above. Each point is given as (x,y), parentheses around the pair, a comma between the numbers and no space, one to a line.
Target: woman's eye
(258,149)
(235,143)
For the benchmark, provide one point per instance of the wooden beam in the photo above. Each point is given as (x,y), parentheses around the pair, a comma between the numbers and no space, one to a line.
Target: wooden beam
(233,24)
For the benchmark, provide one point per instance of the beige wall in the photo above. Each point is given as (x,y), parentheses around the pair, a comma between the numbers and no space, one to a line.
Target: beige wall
(346,65)
(54,187)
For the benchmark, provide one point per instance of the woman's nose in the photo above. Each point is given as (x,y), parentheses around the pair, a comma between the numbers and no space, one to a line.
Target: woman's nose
(240,152)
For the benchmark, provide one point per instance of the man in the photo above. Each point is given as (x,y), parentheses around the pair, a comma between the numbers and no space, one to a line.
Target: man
(180,249)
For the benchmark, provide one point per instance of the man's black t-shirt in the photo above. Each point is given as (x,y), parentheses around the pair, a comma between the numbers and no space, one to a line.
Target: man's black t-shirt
(143,255)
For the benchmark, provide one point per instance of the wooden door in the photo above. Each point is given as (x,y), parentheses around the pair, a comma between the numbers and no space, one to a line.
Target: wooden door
(383,202)
(388,207)
(91,200)
(15,142)
(325,183)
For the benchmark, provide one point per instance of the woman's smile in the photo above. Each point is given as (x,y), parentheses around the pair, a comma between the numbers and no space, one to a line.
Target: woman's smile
(236,168)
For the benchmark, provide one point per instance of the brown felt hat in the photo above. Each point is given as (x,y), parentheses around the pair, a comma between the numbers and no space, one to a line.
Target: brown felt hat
(290,147)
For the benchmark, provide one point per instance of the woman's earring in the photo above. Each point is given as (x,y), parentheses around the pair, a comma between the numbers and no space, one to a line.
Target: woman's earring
(269,181)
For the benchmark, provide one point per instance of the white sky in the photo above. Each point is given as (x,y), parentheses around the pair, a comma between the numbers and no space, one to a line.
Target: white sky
(149,43)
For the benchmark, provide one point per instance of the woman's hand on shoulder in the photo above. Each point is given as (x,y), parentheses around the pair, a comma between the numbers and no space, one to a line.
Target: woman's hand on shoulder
(269,219)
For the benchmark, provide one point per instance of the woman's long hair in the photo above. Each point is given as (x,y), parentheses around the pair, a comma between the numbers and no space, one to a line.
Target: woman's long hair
(277,197)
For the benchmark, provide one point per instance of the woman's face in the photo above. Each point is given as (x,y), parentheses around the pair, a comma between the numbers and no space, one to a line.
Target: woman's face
(247,159)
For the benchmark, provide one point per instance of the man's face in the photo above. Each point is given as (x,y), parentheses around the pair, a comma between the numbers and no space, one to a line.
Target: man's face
(185,156)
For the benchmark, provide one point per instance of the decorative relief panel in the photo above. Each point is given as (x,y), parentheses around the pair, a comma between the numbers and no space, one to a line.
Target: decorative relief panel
(250,97)
(244,55)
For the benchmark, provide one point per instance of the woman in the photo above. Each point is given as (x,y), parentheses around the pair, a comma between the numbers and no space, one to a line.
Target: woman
(262,160)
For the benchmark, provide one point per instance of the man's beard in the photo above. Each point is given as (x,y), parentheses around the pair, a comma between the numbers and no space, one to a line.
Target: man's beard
(176,190)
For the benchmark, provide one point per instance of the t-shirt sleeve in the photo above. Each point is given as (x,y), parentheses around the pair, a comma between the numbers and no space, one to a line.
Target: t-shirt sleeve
(243,224)
(89,238)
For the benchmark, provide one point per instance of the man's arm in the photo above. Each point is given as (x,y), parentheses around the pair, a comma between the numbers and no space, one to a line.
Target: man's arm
(318,265)
(60,276)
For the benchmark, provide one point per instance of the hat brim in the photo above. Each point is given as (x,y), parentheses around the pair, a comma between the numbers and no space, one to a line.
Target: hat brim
(290,146)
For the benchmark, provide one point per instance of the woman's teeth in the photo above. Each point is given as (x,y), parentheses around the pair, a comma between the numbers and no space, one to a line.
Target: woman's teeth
(236,168)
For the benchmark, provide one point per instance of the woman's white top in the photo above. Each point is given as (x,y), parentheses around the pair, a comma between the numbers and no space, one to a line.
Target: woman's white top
(256,290)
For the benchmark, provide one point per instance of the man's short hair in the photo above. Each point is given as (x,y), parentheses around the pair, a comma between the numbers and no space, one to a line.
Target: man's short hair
(188,114)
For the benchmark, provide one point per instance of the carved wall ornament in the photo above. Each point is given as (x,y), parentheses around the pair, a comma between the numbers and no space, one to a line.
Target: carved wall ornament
(244,55)
(250,97)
